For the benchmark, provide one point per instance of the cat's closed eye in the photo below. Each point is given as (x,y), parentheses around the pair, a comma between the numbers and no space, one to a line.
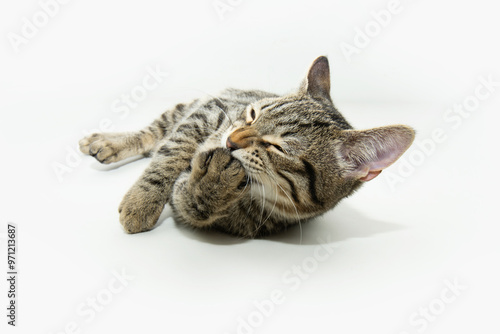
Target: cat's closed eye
(276,146)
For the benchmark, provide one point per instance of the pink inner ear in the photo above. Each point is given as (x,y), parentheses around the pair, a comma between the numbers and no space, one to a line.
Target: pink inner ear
(372,169)
(373,165)
(371,175)
(371,151)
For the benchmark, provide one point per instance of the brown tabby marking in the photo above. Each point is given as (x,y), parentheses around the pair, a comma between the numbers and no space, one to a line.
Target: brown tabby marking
(250,163)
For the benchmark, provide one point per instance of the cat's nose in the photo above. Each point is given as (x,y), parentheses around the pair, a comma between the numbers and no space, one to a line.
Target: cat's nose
(241,138)
(231,145)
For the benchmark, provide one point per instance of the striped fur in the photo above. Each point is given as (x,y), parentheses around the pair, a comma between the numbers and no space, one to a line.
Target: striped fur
(249,163)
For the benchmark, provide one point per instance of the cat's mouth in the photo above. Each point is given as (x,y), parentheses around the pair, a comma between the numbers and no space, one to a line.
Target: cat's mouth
(253,166)
(248,157)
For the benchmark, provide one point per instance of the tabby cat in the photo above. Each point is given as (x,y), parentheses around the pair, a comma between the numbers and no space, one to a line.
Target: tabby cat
(250,163)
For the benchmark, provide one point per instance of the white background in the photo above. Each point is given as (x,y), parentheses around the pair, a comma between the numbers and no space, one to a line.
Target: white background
(394,244)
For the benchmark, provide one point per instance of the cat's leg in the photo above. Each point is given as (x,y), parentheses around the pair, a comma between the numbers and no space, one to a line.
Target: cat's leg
(209,190)
(113,147)
(142,205)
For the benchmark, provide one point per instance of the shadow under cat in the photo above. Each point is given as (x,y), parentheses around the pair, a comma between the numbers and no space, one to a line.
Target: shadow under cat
(342,224)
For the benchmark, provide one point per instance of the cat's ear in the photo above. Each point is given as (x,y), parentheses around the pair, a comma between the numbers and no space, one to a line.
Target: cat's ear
(366,153)
(317,82)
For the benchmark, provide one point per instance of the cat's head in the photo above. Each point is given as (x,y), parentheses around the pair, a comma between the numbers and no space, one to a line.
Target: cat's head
(302,156)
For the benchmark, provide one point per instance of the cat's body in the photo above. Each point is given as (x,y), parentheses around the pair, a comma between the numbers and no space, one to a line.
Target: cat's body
(250,163)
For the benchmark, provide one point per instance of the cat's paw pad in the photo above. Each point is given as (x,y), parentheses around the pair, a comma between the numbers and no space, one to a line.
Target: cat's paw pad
(138,212)
(98,145)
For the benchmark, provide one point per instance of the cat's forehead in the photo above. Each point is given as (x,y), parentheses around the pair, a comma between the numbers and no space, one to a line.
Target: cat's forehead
(298,112)
(282,108)
(296,123)
(289,110)
(271,103)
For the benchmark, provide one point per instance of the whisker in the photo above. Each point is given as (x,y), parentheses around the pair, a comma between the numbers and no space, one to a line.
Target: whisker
(261,194)
(273,178)
(225,113)
(263,198)
(251,197)
(274,205)
(296,211)
(261,223)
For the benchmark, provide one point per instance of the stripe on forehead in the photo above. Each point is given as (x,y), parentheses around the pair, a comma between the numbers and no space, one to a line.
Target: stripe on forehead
(276,104)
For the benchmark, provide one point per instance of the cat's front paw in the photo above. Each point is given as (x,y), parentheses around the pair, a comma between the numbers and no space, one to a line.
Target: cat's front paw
(105,148)
(218,172)
(139,210)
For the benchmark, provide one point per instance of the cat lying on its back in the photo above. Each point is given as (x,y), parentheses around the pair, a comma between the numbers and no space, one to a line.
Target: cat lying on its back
(250,163)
